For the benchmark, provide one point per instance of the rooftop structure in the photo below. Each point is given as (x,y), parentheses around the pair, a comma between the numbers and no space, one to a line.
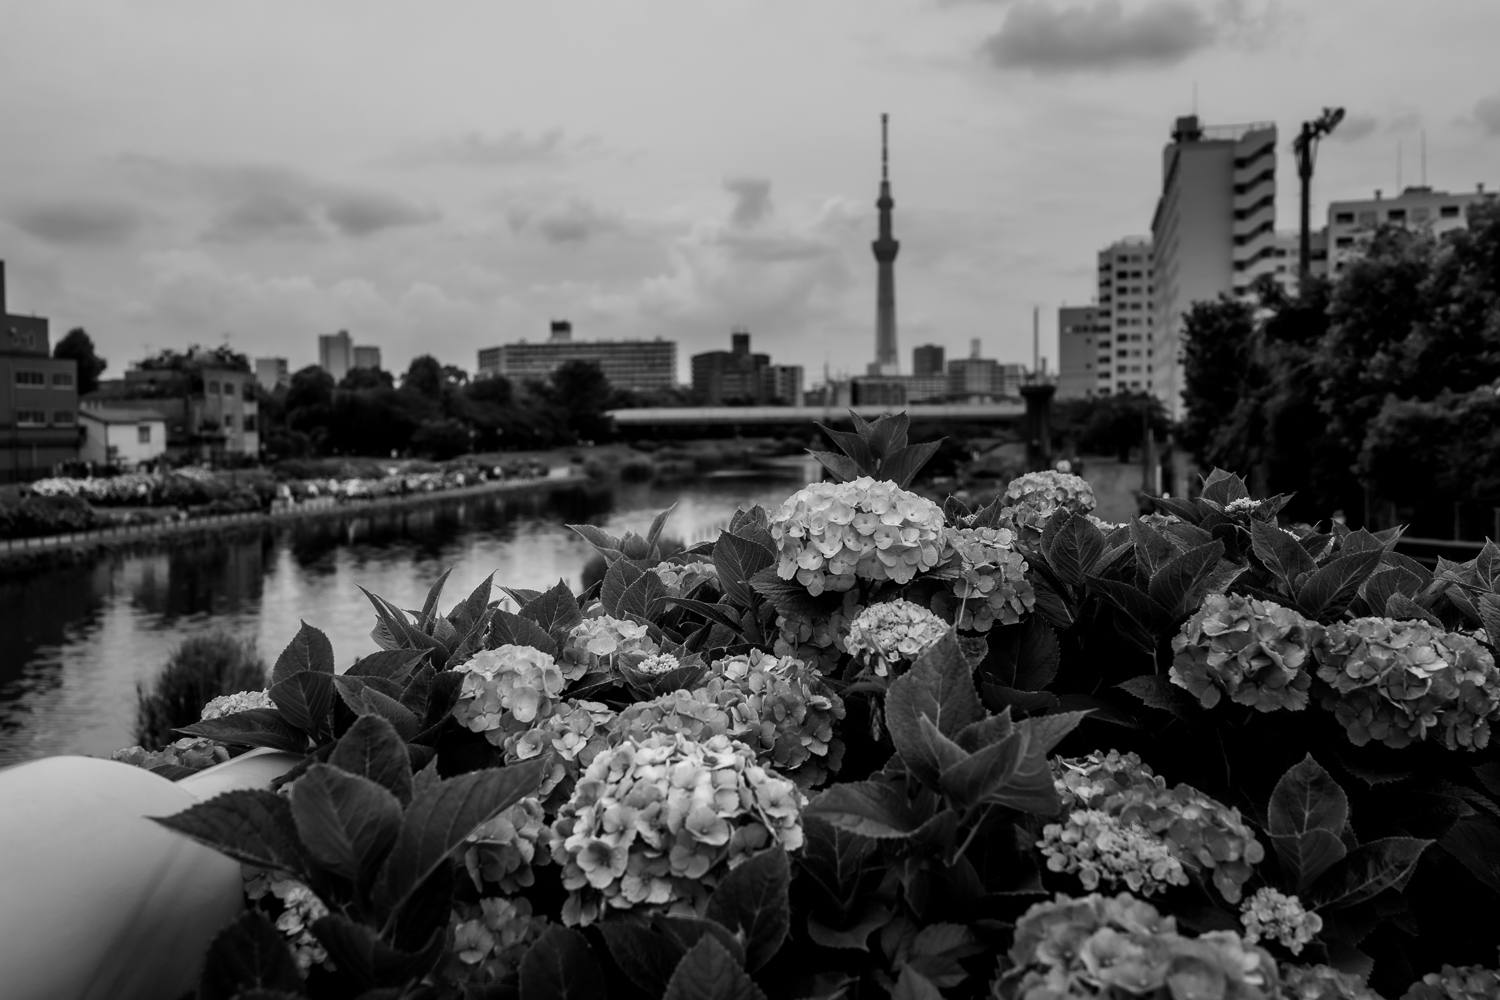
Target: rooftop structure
(1352,223)
(628,364)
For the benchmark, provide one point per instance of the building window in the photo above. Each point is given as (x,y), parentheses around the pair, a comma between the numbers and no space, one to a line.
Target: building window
(1367,218)
(249,423)
(62,380)
(29,378)
(1448,211)
(1343,218)
(31,418)
(1396,215)
(1344,241)
(64,418)
(143,433)
(229,388)
(229,421)
(213,388)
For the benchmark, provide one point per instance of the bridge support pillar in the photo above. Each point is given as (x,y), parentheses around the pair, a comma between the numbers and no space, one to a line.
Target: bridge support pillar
(1038,396)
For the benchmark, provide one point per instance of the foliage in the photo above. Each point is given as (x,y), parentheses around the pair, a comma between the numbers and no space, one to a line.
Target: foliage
(202,668)
(79,346)
(706,776)
(196,356)
(36,516)
(1109,425)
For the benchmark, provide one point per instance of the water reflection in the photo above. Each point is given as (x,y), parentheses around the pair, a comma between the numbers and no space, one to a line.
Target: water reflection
(79,639)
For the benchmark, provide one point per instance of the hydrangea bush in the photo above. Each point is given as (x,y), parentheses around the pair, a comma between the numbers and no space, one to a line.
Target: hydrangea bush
(870,745)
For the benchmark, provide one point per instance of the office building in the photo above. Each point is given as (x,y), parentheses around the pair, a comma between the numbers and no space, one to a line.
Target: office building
(366,356)
(738,377)
(1352,223)
(983,380)
(336,354)
(1125,357)
(927,360)
(628,364)
(489,362)
(1213,232)
(272,373)
(39,407)
(1082,373)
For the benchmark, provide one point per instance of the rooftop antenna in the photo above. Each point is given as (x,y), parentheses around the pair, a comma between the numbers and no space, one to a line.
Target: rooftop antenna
(884,172)
(1195,98)
(1036,340)
(1399,164)
(1424,157)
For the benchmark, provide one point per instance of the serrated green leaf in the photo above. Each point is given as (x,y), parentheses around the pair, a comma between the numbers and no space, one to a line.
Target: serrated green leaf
(249,954)
(371,748)
(709,972)
(346,823)
(868,808)
(252,826)
(308,650)
(257,727)
(561,966)
(753,900)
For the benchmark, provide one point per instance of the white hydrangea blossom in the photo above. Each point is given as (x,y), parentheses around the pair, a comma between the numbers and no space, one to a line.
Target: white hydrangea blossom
(242,701)
(682,579)
(300,909)
(655,821)
(1097,845)
(1246,505)
(990,581)
(889,634)
(506,690)
(1048,490)
(574,732)
(661,663)
(1276,916)
(819,641)
(597,642)
(502,850)
(831,534)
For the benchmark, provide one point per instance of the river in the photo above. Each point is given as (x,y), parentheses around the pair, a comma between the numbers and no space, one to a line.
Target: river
(78,640)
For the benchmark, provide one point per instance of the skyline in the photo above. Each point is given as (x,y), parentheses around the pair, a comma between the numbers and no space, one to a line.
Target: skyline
(454,181)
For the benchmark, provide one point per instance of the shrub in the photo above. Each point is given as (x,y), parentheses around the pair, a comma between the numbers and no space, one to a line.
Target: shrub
(202,668)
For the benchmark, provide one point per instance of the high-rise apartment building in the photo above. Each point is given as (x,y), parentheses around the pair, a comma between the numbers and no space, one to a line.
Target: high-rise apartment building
(1081,371)
(336,354)
(1125,342)
(1352,223)
(366,356)
(1214,232)
(628,364)
(927,360)
(272,373)
(39,401)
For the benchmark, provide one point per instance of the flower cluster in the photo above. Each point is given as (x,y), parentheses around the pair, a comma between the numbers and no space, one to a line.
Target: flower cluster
(191,752)
(574,732)
(242,701)
(489,940)
(778,707)
(503,848)
(818,641)
(1275,916)
(1463,982)
(1322,982)
(1123,948)
(991,582)
(831,534)
(1097,845)
(888,635)
(1199,832)
(1253,651)
(300,907)
(600,643)
(656,821)
(507,689)
(1048,490)
(1396,681)
(681,579)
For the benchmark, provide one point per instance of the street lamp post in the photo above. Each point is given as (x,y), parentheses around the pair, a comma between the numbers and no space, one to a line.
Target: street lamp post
(1305,146)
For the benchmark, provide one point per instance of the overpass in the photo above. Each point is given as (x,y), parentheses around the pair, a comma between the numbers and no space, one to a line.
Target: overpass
(675,417)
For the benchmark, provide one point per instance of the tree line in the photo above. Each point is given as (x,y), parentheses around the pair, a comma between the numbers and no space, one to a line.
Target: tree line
(1374,389)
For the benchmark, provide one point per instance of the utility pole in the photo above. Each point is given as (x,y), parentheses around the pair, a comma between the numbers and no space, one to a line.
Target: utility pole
(1305,146)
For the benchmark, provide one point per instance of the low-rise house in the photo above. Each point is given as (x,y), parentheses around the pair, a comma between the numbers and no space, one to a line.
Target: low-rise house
(121,436)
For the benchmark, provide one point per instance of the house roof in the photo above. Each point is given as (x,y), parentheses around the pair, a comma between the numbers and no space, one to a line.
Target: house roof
(121,415)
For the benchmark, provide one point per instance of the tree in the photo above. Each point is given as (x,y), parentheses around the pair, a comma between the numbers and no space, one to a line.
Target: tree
(367,378)
(424,377)
(79,346)
(1222,379)
(581,394)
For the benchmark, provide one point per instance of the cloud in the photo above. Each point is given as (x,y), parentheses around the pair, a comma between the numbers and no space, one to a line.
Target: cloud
(363,213)
(263,215)
(1355,127)
(80,222)
(478,149)
(1487,114)
(577,221)
(1101,35)
(752,200)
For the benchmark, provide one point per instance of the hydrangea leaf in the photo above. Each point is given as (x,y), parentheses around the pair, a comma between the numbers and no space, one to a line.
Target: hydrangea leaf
(468,612)
(561,966)
(1475,842)
(556,611)
(391,664)
(1179,584)
(842,467)
(644,598)
(1223,487)
(753,900)
(347,823)
(371,963)
(308,650)
(256,727)
(1328,592)
(869,808)
(252,826)
(709,972)
(1282,554)
(305,699)
(249,954)
(1367,871)
(434,594)
(508,629)
(738,559)
(646,956)
(620,575)
(371,748)
(1075,550)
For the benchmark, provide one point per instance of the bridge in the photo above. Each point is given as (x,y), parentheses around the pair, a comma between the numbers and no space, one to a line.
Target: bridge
(683,417)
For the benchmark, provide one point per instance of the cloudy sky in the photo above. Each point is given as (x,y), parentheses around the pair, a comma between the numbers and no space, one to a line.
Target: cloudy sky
(441,176)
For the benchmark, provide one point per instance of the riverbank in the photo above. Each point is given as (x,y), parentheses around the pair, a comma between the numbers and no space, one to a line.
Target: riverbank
(22,556)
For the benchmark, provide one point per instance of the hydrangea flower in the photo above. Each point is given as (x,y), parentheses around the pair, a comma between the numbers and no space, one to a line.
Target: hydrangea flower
(1463,982)
(192,752)
(891,633)
(1253,651)
(830,534)
(598,643)
(991,583)
(681,579)
(1396,681)
(817,641)
(1200,832)
(506,690)
(487,941)
(1322,982)
(660,663)
(1096,845)
(657,821)
(1122,947)
(501,850)
(1048,490)
(229,704)
(1273,915)
(573,732)
(777,706)
(300,908)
